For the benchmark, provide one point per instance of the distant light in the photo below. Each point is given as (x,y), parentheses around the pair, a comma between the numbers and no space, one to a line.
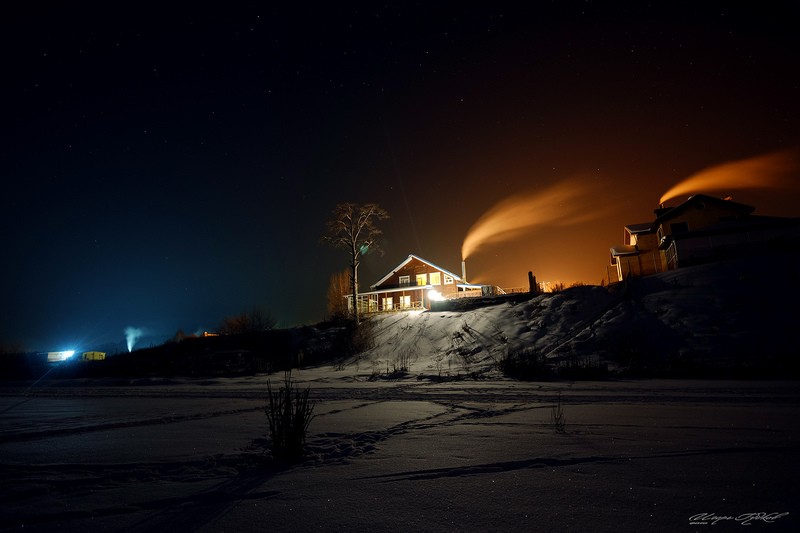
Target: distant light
(54,357)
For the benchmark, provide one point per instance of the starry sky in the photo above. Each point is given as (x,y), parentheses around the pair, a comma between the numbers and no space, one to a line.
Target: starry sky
(166,167)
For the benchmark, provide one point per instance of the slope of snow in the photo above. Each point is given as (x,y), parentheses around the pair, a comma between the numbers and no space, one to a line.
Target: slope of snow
(705,317)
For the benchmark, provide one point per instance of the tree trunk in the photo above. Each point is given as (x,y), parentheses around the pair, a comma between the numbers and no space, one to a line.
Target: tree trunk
(354,281)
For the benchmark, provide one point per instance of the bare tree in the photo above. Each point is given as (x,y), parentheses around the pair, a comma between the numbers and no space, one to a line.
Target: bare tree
(353,229)
(256,320)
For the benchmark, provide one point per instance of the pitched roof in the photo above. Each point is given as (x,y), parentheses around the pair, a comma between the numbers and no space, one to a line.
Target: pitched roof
(624,249)
(644,227)
(408,260)
(698,199)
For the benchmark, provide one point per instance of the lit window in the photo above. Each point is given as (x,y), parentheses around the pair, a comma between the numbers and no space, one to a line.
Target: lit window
(405,301)
(448,280)
(422,279)
(436,278)
(388,304)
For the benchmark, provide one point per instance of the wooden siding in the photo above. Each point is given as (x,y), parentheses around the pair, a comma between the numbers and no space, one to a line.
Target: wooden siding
(699,215)
(412,269)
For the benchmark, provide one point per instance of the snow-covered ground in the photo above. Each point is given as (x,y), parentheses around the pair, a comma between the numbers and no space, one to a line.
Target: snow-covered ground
(451,444)
(401,455)
(706,318)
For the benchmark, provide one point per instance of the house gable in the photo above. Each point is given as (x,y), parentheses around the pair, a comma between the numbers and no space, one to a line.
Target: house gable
(415,271)
(699,211)
(635,232)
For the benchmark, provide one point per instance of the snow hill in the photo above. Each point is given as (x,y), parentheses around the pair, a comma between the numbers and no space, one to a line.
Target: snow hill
(728,318)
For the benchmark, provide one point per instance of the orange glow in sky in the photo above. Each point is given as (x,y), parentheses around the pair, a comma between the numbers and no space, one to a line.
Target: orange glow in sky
(764,171)
(562,204)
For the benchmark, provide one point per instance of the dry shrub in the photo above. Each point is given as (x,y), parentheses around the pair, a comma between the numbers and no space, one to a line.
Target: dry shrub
(289,412)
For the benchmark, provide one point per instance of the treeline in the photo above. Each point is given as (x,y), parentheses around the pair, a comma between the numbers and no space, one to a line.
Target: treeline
(224,355)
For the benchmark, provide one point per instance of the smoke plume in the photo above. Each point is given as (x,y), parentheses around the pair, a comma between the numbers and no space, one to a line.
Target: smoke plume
(131,336)
(760,172)
(569,202)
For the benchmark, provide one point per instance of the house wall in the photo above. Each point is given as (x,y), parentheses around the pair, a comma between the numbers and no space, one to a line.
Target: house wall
(652,259)
(699,249)
(410,299)
(649,260)
(697,216)
(628,238)
(412,269)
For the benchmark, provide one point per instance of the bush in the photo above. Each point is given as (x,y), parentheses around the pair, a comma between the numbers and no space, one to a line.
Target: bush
(526,363)
(289,413)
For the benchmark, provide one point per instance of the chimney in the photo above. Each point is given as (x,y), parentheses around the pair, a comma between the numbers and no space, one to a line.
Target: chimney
(661,210)
(464,271)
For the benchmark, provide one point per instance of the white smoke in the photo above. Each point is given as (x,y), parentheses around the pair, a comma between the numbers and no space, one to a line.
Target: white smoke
(132,335)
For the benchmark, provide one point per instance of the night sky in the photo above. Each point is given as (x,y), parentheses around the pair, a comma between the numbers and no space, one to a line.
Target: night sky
(164,168)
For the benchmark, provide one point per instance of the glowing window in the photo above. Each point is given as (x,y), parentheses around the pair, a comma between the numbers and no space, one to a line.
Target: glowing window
(405,301)
(422,279)
(436,278)
(448,280)
(388,304)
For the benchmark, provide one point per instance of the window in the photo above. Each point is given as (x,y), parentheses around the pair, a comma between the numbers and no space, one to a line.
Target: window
(448,280)
(672,256)
(405,281)
(422,279)
(388,304)
(436,278)
(405,301)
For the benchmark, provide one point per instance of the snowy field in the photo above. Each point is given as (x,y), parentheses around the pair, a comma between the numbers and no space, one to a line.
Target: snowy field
(404,455)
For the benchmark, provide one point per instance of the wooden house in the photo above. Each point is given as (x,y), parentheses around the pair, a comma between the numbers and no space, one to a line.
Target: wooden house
(704,229)
(413,284)
(701,229)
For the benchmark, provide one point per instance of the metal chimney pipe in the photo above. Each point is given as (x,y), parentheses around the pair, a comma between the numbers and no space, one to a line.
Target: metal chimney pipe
(464,271)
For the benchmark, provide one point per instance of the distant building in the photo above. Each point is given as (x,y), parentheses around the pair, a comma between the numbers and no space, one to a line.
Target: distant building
(93,356)
(414,284)
(702,229)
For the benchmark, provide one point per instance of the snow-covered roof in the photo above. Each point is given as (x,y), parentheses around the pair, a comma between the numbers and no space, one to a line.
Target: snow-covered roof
(635,229)
(624,249)
(408,260)
(697,199)
(394,289)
